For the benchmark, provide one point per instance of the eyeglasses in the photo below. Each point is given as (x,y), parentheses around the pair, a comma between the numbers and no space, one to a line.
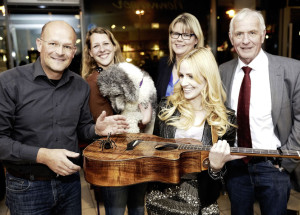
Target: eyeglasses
(55,45)
(185,36)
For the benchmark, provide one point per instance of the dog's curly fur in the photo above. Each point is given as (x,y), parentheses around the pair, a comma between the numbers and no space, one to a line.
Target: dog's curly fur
(127,86)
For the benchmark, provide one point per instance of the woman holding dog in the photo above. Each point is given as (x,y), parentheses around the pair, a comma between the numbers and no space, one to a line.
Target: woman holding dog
(195,110)
(102,50)
(185,34)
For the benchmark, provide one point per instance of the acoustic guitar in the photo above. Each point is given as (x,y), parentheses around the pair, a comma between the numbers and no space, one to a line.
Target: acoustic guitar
(127,159)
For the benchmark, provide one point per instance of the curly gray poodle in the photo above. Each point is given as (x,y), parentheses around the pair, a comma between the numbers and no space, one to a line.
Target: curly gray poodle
(127,86)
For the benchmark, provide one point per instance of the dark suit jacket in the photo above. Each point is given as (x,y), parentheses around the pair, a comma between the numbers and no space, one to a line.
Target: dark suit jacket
(163,78)
(284,76)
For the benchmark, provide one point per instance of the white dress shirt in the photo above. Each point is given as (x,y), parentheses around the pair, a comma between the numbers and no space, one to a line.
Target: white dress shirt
(261,123)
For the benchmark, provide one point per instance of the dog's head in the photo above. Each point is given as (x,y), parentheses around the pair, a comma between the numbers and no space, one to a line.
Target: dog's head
(115,84)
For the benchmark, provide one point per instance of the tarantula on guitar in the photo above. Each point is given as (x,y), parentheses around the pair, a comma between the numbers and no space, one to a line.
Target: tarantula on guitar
(107,143)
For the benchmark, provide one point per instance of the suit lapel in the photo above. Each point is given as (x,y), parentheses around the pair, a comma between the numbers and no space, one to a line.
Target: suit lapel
(276,85)
(229,80)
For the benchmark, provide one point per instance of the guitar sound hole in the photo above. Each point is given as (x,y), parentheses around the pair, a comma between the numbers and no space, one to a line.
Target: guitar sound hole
(166,147)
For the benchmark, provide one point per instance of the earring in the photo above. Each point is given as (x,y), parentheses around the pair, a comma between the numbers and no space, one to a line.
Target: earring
(99,69)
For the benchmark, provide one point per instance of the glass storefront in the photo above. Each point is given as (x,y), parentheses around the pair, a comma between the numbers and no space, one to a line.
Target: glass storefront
(140,26)
(23,26)
(25,29)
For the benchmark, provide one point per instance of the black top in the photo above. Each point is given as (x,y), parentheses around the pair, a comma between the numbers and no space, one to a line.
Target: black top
(34,113)
(209,189)
(164,75)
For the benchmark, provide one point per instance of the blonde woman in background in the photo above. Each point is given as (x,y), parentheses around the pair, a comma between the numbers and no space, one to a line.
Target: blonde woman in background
(185,34)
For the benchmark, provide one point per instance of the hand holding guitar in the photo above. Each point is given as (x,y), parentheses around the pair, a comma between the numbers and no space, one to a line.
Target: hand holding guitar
(220,153)
(57,160)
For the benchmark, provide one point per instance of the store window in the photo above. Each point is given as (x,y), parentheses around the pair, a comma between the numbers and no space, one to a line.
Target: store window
(24,22)
(25,28)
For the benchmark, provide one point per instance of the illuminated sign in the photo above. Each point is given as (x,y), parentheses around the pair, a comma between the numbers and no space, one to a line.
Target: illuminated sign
(158,5)
(44,2)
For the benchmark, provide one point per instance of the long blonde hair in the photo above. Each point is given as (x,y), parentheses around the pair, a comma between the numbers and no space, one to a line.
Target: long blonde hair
(89,64)
(190,25)
(201,62)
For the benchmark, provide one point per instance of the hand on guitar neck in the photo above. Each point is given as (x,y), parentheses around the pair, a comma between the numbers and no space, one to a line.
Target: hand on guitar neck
(220,154)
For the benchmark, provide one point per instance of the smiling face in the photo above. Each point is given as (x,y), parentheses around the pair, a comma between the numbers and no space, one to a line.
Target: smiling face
(247,38)
(179,45)
(191,88)
(55,60)
(102,50)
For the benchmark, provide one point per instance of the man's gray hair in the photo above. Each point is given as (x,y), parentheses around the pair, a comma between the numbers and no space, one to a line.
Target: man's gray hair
(246,12)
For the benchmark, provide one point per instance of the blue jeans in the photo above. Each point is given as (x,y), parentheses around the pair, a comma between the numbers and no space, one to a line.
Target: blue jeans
(262,182)
(116,198)
(25,197)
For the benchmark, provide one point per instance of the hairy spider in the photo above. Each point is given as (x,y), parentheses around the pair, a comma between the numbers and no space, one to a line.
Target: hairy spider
(107,143)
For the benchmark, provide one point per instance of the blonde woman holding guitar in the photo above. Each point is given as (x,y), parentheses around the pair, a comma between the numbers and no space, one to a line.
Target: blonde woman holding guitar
(195,110)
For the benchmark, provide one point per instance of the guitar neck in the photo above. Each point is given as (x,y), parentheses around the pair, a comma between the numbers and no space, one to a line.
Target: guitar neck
(249,151)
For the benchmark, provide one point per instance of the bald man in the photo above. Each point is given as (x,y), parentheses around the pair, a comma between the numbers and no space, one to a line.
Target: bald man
(43,111)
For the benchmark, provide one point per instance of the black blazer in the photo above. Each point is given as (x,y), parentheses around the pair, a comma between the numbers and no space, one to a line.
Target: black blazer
(163,77)
(209,189)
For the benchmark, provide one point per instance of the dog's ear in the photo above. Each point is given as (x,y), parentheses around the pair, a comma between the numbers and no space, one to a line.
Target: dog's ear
(104,82)
(130,91)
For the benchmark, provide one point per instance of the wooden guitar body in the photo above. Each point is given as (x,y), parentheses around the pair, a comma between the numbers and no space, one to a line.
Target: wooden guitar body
(120,167)
(137,158)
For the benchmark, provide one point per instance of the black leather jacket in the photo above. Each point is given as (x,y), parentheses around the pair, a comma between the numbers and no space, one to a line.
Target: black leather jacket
(209,189)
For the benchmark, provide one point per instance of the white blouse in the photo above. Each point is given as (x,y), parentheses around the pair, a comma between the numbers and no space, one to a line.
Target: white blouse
(195,132)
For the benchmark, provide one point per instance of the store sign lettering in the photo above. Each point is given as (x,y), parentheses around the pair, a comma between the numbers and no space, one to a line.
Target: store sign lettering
(166,5)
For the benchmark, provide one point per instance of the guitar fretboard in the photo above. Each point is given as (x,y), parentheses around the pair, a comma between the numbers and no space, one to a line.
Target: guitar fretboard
(248,151)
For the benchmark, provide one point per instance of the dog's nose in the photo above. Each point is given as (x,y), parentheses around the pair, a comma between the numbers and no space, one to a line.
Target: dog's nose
(118,111)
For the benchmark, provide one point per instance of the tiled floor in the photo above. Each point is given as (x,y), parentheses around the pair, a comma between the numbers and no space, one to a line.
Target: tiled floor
(89,204)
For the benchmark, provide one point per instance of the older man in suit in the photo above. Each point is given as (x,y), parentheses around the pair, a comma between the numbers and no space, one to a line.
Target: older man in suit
(265,91)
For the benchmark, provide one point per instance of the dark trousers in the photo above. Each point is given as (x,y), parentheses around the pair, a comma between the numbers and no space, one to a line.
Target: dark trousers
(2,182)
(257,181)
(116,198)
(59,197)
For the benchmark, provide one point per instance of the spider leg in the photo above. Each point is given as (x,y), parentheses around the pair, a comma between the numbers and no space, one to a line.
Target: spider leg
(114,143)
(108,136)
